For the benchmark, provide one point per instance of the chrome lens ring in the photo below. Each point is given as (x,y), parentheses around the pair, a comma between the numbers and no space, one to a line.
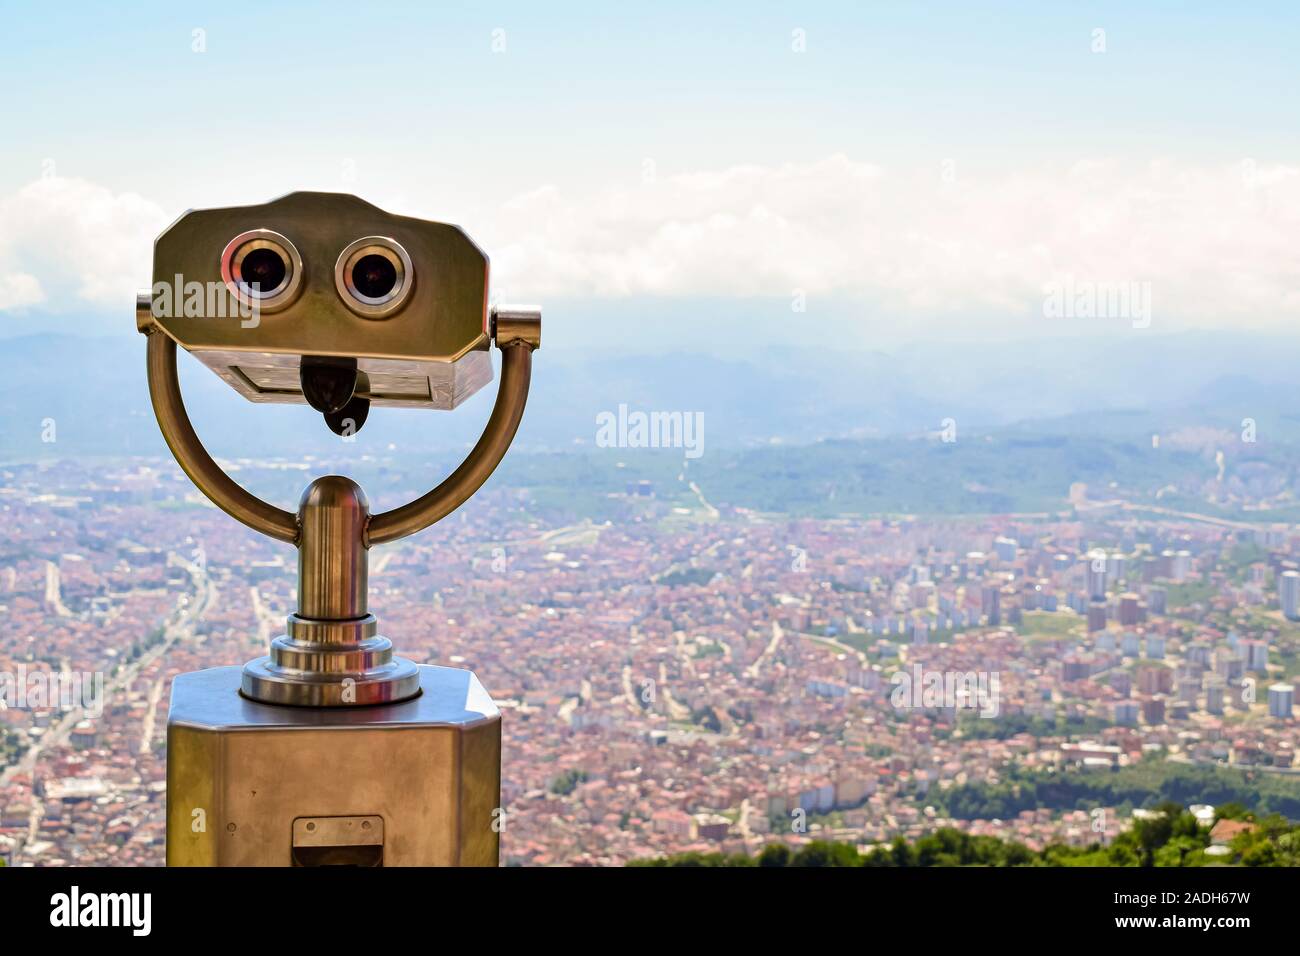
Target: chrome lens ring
(395,261)
(232,269)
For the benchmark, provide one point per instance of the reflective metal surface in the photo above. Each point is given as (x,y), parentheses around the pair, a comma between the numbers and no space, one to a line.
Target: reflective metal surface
(355,673)
(331,655)
(241,775)
(225,493)
(517,323)
(332,569)
(330,750)
(265,377)
(456,488)
(333,529)
(429,327)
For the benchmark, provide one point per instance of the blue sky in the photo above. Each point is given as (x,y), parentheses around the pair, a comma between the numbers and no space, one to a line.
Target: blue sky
(599,87)
(594,109)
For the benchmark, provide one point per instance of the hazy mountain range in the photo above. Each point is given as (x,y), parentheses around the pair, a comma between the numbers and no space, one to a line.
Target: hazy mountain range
(93,391)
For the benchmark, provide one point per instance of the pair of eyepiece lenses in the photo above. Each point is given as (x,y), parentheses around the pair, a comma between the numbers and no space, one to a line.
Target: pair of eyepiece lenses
(373,275)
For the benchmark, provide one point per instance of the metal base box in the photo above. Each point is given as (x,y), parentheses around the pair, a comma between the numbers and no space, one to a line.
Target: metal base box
(416,783)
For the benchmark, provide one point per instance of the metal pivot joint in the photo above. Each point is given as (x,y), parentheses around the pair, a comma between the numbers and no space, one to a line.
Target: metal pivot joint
(332,654)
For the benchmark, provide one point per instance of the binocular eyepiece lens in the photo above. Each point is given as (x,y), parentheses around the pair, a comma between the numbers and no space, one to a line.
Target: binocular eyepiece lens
(263,269)
(374,276)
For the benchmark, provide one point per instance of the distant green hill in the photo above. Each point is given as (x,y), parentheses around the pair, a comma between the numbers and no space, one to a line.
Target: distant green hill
(1172,838)
(998,473)
(1145,784)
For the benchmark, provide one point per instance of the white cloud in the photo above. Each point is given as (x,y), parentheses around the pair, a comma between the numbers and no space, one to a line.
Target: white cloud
(19,290)
(1217,244)
(65,243)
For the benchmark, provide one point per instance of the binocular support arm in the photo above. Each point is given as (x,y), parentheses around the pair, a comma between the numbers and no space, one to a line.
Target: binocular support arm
(516,335)
(225,492)
(456,488)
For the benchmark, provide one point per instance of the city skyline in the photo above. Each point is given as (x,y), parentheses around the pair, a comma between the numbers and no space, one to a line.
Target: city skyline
(694,676)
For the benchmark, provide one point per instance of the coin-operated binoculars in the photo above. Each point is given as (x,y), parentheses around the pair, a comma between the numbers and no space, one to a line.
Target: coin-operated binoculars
(330,749)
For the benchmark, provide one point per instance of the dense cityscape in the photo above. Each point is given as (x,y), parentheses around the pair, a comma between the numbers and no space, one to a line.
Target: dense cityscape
(691,677)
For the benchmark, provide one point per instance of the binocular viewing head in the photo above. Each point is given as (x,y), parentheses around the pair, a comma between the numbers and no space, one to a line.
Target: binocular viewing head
(324,299)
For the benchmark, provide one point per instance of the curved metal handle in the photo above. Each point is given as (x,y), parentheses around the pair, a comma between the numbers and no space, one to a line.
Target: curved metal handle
(516,346)
(455,489)
(225,493)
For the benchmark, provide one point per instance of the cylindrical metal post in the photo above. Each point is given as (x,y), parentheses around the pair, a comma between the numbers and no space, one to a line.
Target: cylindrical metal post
(332,565)
(331,655)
